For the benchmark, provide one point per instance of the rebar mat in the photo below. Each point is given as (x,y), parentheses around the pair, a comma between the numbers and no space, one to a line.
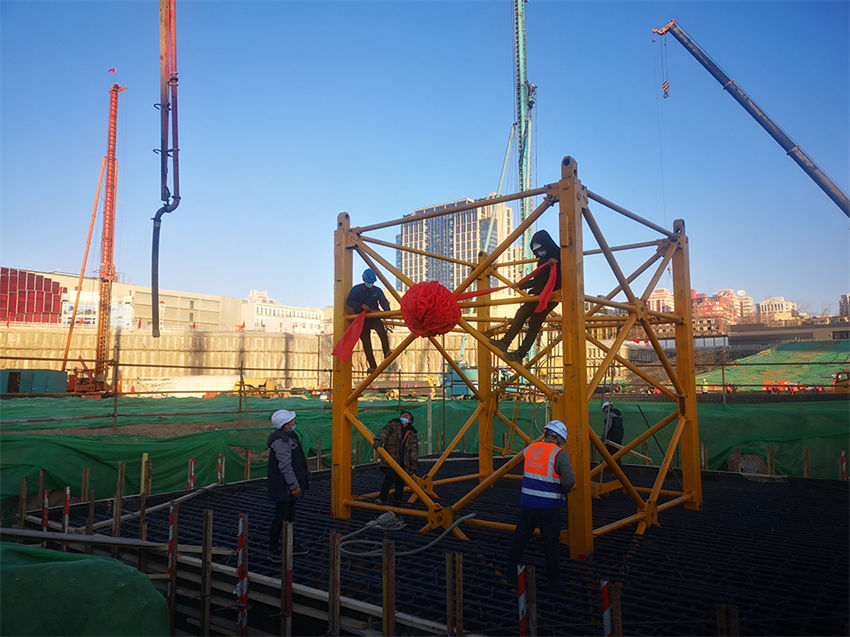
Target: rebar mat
(776,550)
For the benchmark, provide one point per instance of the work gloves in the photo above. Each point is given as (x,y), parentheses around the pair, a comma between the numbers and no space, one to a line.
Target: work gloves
(376,444)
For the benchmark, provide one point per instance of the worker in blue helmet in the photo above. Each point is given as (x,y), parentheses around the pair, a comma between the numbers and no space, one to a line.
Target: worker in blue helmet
(368,297)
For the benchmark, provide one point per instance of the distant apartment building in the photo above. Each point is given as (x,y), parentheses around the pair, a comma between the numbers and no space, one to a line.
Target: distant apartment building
(661,300)
(461,236)
(259,312)
(844,305)
(777,309)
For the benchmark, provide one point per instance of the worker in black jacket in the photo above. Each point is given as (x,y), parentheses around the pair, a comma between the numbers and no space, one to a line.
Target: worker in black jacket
(546,251)
(368,297)
(288,478)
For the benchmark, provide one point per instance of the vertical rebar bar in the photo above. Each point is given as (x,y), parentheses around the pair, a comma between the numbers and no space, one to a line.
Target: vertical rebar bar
(334,554)
(84,482)
(388,573)
(22,504)
(531,588)
(286,579)
(117,506)
(206,571)
(458,594)
(450,602)
(172,564)
(90,519)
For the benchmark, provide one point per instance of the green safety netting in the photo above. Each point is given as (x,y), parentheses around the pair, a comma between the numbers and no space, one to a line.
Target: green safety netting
(810,363)
(46,592)
(821,427)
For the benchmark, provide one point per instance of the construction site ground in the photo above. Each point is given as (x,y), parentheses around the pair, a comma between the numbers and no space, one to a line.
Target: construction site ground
(771,552)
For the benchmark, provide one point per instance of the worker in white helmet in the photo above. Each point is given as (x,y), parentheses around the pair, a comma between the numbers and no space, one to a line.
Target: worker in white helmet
(546,480)
(288,478)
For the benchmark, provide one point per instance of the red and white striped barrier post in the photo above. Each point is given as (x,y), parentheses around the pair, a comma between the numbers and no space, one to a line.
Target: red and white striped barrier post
(190,481)
(241,581)
(522,598)
(843,464)
(607,624)
(220,470)
(66,515)
(171,591)
(44,514)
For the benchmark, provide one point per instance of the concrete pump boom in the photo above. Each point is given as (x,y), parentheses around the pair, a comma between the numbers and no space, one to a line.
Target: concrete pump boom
(788,145)
(167,107)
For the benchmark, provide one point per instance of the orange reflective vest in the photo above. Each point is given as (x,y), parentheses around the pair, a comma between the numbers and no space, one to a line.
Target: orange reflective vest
(541,484)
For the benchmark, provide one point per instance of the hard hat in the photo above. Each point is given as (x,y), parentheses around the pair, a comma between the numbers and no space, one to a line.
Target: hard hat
(282,417)
(557,427)
(369,275)
(606,404)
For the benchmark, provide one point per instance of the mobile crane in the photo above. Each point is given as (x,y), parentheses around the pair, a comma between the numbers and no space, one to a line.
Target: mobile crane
(87,380)
(788,145)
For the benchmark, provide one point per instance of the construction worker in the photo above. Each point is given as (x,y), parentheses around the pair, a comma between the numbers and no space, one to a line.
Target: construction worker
(612,429)
(288,478)
(367,297)
(546,479)
(400,439)
(546,251)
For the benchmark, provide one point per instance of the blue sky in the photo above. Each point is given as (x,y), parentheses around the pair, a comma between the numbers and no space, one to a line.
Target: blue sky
(291,112)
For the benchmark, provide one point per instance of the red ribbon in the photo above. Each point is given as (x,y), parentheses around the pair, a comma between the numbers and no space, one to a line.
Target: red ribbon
(545,295)
(345,345)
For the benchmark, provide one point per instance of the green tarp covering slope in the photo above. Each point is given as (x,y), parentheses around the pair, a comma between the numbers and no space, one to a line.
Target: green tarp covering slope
(819,426)
(812,363)
(51,593)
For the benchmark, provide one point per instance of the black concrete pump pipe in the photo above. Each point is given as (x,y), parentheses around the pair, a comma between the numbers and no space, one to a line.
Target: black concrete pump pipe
(167,106)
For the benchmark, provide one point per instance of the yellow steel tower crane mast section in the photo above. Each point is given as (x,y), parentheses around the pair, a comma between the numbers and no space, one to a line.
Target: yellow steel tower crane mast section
(570,334)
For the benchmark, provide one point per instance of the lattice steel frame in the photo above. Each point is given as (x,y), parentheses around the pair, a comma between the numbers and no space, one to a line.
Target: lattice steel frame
(570,400)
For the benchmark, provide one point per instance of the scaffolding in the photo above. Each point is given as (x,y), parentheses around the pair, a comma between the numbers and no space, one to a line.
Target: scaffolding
(569,333)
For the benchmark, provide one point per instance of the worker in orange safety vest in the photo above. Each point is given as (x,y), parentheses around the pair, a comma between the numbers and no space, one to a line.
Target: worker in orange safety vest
(547,478)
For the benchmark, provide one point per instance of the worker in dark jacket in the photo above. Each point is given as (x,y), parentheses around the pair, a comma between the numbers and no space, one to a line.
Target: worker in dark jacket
(612,429)
(546,479)
(546,251)
(399,439)
(367,297)
(288,478)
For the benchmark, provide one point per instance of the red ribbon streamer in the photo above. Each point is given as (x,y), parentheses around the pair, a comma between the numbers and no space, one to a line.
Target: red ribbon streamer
(545,295)
(345,345)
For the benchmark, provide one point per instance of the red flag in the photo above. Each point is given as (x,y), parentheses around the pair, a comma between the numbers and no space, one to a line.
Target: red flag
(193,324)
(7,322)
(140,325)
(112,71)
(345,345)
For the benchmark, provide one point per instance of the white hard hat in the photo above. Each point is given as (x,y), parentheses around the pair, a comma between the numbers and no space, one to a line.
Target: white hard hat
(556,426)
(606,404)
(282,417)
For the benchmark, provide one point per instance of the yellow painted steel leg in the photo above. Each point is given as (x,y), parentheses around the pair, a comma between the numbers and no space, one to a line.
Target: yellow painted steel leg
(571,405)
(691,476)
(341,431)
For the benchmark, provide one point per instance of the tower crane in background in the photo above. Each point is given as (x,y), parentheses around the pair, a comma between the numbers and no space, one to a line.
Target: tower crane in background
(88,380)
(168,147)
(525,98)
(788,145)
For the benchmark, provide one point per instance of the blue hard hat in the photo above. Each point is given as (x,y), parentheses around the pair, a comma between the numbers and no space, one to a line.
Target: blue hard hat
(369,275)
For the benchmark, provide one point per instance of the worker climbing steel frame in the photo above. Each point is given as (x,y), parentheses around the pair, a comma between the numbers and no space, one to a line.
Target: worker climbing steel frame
(570,399)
